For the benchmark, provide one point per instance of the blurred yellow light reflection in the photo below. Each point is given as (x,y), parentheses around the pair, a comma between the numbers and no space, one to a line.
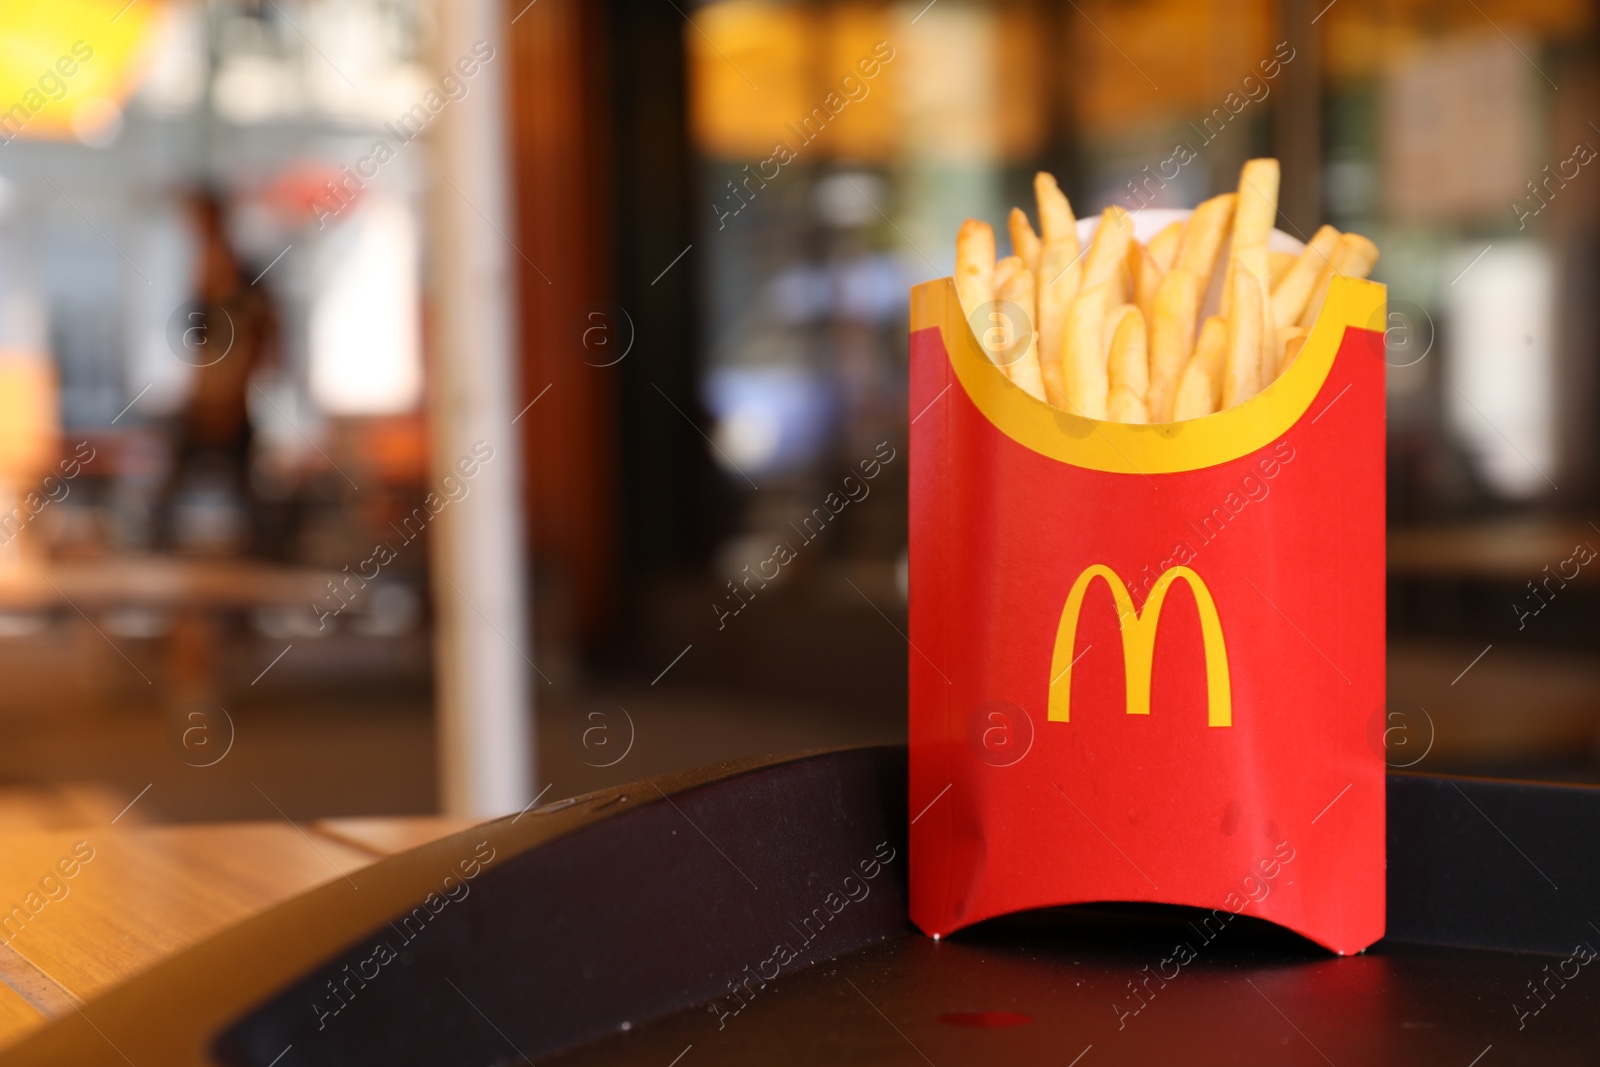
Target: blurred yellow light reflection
(66,66)
(29,426)
(748,75)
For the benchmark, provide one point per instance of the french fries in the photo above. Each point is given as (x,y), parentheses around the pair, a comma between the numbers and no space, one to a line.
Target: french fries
(1060,267)
(1241,374)
(1164,245)
(1056,222)
(1057,285)
(1020,353)
(1289,298)
(1024,242)
(1280,263)
(1254,259)
(1146,274)
(1254,209)
(1200,388)
(1291,347)
(1128,366)
(1352,257)
(1172,338)
(1202,238)
(1086,384)
(1003,270)
(1258,203)
(1290,338)
(975,271)
(1107,260)
(1119,331)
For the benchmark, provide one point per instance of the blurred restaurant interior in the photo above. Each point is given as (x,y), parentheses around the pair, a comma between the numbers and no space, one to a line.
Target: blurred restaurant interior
(237,305)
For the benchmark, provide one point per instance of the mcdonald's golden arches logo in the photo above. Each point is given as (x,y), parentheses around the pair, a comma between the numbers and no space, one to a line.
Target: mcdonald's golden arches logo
(1139,643)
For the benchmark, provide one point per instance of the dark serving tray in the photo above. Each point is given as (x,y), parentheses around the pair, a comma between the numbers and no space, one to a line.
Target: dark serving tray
(755,912)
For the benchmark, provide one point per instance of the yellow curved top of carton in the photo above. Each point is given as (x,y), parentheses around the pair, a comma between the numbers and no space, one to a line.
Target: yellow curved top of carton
(1156,448)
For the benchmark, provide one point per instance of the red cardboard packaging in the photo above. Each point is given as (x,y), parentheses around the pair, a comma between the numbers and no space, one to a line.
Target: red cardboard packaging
(1146,659)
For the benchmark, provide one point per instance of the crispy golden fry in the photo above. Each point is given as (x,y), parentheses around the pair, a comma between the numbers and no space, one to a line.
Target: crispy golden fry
(1200,388)
(1085,381)
(1024,242)
(1253,216)
(1164,245)
(1108,252)
(1146,274)
(1056,221)
(1270,349)
(1004,269)
(1194,395)
(1353,257)
(1271,355)
(1241,375)
(1124,405)
(1057,284)
(1202,238)
(974,269)
(1259,261)
(1115,314)
(1257,206)
(1127,366)
(1291,349)
(1284,337)
(1019,354)
(1291,293)
(1253,258)
(1280,263)
(994,331)
(1172,338)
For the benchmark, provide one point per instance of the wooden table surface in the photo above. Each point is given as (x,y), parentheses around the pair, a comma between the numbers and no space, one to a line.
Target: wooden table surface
(1513,549)
(145,892)
(159,581)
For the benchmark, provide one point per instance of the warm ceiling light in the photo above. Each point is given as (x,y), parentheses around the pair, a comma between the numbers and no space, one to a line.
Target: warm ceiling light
(67,66)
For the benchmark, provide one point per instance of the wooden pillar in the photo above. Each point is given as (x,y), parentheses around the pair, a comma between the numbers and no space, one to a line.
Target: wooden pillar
(577,338)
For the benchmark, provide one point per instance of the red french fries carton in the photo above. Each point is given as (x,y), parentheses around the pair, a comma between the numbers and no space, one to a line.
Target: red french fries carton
(1146,659)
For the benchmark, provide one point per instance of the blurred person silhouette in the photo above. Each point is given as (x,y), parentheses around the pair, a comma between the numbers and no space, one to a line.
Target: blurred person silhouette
(229,334)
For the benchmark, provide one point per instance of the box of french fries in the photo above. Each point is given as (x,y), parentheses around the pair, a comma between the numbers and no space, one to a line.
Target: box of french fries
(1147,569)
